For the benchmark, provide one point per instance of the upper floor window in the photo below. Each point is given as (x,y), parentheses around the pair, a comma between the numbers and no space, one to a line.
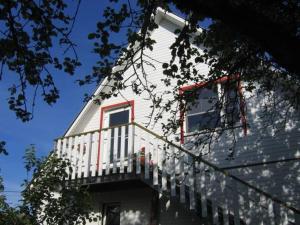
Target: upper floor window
(215,105)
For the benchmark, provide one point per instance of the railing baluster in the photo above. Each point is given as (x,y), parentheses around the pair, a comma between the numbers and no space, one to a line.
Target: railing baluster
(75,156)
(283,216)
(224,204)
(80,157)
(211,195)
(131,133)
(252,207)
(115,149)
(58,147)
(271,212)
(246,206)
(70,153)
(203,190)
(182,177)
(236,206)
(192,186)
(95,147)
(297,218)
(164,168)
(147,157)
(88,153)
(122,153)
(69,147)
(172,171)
(108,152)
(64,148)
(138,148)
(155,163)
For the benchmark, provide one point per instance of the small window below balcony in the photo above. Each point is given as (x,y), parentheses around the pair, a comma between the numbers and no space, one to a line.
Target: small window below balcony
(111,214)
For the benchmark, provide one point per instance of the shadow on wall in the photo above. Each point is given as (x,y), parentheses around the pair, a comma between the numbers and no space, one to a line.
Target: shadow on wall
(273,135)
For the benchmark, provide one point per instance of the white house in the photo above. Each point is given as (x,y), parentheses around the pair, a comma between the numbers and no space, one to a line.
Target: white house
(139,177)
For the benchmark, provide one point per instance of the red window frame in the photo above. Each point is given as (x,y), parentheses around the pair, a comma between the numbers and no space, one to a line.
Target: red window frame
(109,107)
(202,85)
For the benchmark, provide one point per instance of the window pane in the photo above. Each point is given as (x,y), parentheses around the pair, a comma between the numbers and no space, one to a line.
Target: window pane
(112,215)
(231,104)
(207,98)
(119,118)
(202,121)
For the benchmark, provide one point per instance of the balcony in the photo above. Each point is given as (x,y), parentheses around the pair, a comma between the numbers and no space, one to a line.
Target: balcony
(134,155)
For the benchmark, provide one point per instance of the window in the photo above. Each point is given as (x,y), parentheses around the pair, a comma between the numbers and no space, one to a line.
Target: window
(211,102)
(117,119)
(111,214)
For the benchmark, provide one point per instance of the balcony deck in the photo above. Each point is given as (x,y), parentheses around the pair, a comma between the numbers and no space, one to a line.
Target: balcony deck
(130,155)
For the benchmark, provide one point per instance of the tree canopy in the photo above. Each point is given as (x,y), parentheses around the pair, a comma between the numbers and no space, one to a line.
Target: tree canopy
(258,40)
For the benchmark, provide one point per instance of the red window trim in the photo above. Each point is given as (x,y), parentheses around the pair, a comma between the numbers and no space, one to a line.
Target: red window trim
(109,107)
(203,84)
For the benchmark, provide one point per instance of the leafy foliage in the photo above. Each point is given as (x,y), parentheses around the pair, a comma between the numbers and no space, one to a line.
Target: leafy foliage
(47,197)
(28,32)
(2,148)
(231,45)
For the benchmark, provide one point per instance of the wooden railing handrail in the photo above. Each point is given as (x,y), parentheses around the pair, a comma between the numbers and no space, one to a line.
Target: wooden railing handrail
(199,159)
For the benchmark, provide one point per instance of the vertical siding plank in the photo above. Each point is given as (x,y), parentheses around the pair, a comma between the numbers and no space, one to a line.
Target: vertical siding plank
(88,153)
(131,133)
(122,149)
(115,149)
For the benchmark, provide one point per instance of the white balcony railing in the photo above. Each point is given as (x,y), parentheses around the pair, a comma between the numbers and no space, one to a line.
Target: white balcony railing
(170,169)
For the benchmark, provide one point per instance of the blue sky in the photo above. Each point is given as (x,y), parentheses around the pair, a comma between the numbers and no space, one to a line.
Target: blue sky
(49,121)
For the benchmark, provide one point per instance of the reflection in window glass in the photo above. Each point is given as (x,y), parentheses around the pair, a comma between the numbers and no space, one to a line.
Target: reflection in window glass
(205,111)
(119,118)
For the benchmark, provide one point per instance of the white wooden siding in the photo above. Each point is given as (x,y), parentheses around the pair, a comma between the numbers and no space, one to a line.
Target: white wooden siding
(135,205)
(259,145)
